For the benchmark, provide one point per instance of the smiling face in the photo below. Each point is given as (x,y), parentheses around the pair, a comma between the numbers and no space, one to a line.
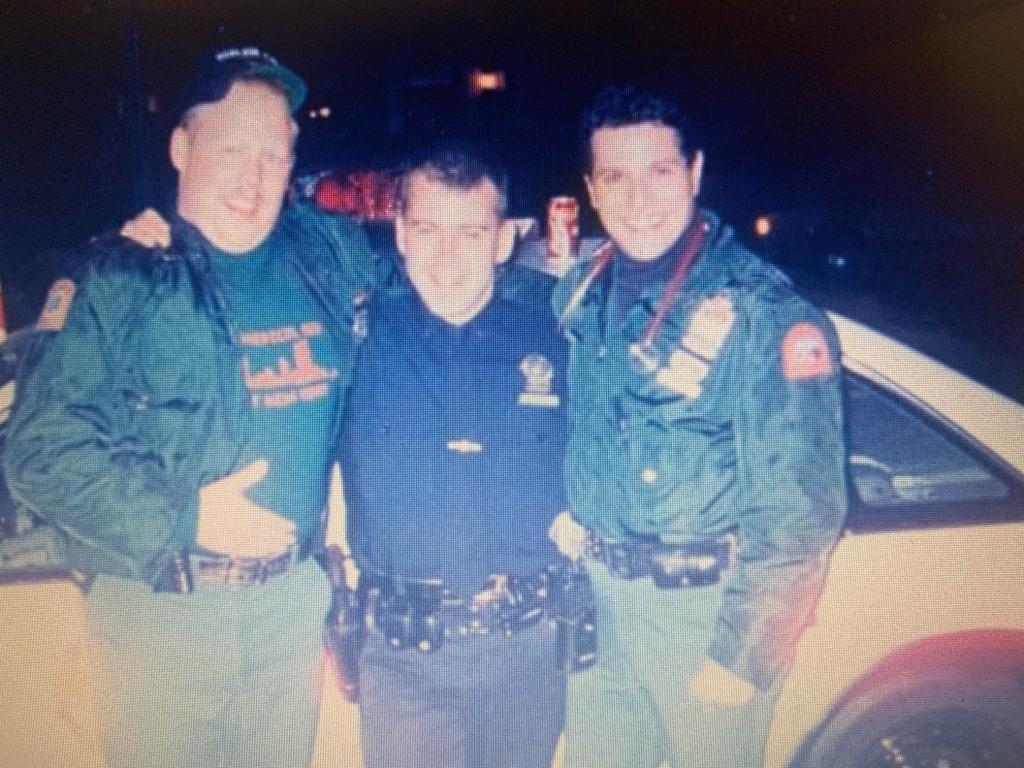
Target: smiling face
(642,187)
(452,241)
(233,159)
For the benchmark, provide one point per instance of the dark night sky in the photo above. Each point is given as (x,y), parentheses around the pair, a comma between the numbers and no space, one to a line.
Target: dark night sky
(856,101)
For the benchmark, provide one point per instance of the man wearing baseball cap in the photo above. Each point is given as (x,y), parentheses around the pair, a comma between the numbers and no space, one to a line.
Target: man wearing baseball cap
(177,426)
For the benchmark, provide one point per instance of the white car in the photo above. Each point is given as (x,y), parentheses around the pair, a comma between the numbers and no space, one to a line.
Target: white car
(916,657)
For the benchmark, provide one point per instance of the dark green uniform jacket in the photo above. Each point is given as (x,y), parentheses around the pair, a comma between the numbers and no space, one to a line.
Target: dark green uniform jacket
(736,425)
(137,402)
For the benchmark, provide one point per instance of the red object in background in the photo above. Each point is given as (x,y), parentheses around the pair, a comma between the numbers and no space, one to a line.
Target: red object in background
(332,196)
(363,195)
(563,227)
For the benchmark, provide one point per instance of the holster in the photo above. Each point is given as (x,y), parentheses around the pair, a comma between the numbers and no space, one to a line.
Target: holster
(573,610)
(345,625)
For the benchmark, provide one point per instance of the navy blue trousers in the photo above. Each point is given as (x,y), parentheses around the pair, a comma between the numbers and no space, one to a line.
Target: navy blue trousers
(478,702)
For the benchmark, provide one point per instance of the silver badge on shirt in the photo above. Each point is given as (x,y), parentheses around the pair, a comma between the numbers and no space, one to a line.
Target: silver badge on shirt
(538,382)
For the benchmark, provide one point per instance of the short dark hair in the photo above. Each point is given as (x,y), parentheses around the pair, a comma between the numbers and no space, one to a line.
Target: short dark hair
(460,166)
(616,106)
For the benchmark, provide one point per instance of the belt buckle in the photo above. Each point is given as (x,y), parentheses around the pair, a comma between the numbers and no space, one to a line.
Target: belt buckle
(236,574)
(687,565)
(406,614)
(244,572)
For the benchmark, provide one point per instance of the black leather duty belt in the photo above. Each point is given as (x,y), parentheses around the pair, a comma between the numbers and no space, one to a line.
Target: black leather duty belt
(422,614)
(185,569)
(671,566)
(240,571)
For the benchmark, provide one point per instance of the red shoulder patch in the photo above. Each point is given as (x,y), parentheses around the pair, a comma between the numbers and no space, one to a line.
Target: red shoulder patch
(805,355)
(58,302)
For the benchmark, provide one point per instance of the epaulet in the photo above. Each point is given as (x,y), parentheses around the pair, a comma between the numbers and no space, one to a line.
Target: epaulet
(751,270)
(113,249)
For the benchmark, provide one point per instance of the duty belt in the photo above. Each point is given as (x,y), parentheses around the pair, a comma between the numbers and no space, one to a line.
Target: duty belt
(240,571)
(185,569)
(424,613)
(693,564)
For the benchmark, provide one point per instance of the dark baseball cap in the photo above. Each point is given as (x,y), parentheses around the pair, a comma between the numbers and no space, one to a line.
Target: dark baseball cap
(220,68)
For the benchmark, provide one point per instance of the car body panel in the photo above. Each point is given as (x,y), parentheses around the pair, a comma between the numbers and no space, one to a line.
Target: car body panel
(893,586)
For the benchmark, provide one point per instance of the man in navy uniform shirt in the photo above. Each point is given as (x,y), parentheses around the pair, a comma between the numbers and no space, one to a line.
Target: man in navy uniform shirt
(452,459)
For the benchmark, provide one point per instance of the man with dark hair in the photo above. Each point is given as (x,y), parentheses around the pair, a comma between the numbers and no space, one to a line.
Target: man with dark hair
(451,456)
(705,464)
(178,427)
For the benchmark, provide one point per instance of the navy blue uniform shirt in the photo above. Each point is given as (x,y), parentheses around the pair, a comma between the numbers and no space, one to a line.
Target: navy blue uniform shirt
(454,439)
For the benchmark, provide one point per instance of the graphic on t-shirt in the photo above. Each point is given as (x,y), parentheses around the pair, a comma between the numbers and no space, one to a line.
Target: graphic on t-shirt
(277,381)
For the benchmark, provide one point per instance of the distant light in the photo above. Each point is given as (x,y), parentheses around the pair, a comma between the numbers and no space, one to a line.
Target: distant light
(312,114)
(480,81)
(763,225)
(325,111)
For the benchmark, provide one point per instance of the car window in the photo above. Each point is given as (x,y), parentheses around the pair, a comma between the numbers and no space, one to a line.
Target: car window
(901,457)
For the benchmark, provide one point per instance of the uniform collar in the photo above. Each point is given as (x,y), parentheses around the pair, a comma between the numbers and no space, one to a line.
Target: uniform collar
(662,267)
(413,311)
(506,290)
(708,270)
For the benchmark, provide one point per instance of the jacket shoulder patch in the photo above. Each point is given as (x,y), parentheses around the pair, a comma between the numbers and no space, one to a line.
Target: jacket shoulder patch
(58,302)
(805,354)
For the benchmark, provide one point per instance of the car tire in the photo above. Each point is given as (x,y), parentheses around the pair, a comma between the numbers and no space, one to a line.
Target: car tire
(941,722)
